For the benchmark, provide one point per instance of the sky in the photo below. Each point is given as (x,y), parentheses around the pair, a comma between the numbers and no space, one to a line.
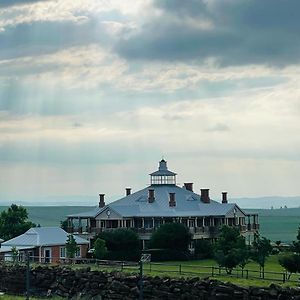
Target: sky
(93,93)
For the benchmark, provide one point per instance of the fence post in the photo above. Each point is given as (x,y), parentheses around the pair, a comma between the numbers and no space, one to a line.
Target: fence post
(283,277)
(179,269)
(150,267)
(212,271)
(141,281)
(247,272)
(219,270)
(27,275)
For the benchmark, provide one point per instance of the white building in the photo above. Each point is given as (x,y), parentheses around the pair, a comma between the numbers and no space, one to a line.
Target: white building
(161,202)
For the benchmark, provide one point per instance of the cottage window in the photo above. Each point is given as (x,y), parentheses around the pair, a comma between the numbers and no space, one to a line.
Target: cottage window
(62,252)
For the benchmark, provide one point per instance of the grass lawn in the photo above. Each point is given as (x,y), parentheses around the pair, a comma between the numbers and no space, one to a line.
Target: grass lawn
(203,268)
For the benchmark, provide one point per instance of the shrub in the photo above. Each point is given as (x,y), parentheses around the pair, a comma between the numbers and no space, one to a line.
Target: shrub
(173,236)
(203,249)
(122,244)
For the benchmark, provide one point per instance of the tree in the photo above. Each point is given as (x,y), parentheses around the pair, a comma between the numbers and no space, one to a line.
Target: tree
(261,249)
(14,254)
(122,244)
(100,248)
(174,236)
(231,249)
(64,224)
(291,263)
(14,221)
(296,244)
(71,246)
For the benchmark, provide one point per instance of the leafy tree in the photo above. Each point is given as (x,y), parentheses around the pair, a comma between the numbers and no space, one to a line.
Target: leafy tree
(14,254)
(296,245)
(291,263)
(64,224)
(231,249)
(122,244)
(14,221)
(100,248)
(71,246)
(171,236)
(261,249)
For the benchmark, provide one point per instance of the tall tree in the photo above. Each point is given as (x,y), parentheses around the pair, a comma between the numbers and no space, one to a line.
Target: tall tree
(100,248)
(71,246)
(231,249)
(14,221)
(261,249)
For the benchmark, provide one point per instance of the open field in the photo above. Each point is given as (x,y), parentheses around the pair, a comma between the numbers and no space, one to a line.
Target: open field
(276,224)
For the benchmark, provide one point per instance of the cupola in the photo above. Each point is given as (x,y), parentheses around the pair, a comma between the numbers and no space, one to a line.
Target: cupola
(163,175)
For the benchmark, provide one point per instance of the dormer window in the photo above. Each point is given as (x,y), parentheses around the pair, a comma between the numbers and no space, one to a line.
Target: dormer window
(163,175)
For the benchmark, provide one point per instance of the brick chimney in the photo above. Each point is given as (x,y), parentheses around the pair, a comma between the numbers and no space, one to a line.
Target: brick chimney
(101,202)
(128,191)
(188,186)
(172,200)
(205,196)
(224,197)
(151,196)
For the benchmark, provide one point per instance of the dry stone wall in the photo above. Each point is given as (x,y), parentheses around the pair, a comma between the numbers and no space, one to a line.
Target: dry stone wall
(86,284)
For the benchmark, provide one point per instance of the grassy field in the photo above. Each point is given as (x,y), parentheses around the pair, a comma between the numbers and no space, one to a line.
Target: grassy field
(276,224)
(207,268)
(201,269)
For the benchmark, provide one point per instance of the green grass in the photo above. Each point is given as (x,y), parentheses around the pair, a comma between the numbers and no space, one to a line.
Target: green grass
(203,268)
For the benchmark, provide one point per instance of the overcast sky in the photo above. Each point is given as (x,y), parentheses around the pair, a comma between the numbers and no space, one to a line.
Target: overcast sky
(93,93)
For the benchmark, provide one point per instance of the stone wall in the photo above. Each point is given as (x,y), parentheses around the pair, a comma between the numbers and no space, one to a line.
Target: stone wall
(87,284)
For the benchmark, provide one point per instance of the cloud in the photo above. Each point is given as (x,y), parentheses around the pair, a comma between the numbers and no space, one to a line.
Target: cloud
(229,32)
(7,3)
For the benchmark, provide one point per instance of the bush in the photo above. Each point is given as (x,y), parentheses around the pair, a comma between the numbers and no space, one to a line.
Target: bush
(122,244)
(291,263)
(203,249)
(167,254)
(173,236)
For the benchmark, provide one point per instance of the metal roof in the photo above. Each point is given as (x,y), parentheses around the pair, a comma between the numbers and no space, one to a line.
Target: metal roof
(187,204)
(42,236)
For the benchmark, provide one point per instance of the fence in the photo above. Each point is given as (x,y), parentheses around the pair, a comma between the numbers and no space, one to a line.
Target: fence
(154,268)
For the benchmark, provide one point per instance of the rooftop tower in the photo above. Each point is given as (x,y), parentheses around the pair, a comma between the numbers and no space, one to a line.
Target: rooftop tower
(163,175)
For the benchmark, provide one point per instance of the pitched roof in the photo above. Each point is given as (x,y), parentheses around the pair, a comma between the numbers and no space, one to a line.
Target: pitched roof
(187,204)
(42,236)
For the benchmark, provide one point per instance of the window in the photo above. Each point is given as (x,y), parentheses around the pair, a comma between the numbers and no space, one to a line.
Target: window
(62,252)
(78,252)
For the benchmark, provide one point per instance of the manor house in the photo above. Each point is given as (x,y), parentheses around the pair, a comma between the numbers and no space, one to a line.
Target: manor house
(164,201)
